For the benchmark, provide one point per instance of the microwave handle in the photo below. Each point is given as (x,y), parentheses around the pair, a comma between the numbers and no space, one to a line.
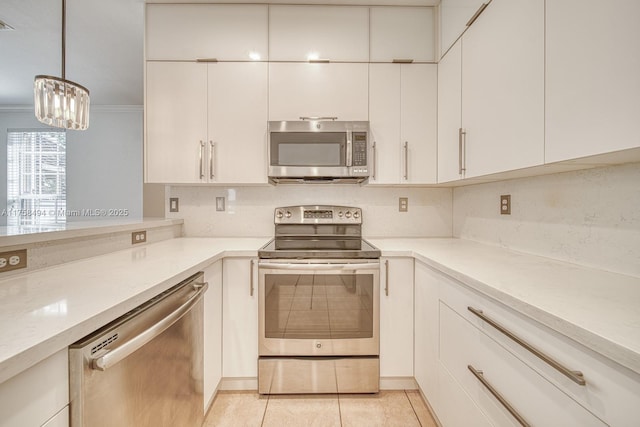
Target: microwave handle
(349,161)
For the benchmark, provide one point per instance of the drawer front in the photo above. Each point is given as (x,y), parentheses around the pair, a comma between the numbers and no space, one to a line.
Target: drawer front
(457,409)
(611,391)
(464,348)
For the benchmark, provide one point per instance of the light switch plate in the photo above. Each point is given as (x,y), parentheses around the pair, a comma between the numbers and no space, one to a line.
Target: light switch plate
(173,204)
(220,204)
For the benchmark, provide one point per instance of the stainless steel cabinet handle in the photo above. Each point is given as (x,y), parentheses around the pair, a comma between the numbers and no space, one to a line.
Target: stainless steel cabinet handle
(311,267)
(122,352)
(462,137)
(481,9)
(253,262)
(386,277)
(575,376)
(373,161)
(212,147)
(480,376)
(319,118)
(201,160)
(406,160)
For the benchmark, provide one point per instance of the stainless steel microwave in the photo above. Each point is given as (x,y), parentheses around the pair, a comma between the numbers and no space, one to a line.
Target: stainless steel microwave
(318,151)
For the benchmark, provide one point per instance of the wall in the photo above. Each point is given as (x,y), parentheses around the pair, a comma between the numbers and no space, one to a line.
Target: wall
(589,217)
(104,163)
(250,209)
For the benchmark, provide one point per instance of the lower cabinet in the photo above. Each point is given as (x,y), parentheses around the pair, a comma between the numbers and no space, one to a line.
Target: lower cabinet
(240,317)
(396,317)
(38,396)
(212,332)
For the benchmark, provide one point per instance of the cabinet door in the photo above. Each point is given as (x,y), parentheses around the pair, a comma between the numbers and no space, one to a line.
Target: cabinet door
(212,332)
(384,122)
(426,334)
(61,419)
(450,150)
(503,88)
(335,90)
(239,318)
(237,122)
(418,121)
(401,33)
(454,16)
(396,317)
(196,31)
(303,33)
(592,83)
(176,122)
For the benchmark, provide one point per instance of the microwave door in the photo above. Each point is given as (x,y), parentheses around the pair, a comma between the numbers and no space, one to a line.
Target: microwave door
(308,149)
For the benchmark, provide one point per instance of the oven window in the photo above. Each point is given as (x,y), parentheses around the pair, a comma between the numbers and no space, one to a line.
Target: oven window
(308,149)
(306,306)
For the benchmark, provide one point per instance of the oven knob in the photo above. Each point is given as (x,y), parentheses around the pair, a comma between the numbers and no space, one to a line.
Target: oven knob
(356,214)
(348,214)
(279,214)
(288,214)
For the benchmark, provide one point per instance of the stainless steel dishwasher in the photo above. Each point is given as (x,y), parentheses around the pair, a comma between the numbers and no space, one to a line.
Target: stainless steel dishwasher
(144,368)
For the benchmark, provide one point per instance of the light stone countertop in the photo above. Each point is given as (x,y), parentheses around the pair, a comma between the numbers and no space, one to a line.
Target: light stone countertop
(44,311)
(599,309)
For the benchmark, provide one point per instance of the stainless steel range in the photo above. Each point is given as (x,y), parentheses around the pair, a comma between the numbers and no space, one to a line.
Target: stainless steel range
(319,329)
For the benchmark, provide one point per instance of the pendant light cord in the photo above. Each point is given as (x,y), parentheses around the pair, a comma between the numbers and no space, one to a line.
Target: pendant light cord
(64,31)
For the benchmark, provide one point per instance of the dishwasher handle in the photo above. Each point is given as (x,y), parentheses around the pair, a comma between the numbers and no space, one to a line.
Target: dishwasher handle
(308,267)
(122,352)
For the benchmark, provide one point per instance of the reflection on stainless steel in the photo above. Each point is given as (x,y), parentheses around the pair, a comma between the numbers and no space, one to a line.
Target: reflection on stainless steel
(158,384)
(319,304)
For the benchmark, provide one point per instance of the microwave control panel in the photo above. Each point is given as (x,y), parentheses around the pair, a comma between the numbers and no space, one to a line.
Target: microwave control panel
(359,149)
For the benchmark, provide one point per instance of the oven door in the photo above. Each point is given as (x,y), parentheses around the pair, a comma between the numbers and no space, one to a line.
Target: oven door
(319,307)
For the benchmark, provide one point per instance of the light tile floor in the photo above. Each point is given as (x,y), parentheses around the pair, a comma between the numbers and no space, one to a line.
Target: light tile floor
(402,408)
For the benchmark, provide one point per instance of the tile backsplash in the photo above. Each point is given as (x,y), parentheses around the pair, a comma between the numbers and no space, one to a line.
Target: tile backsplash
(589,217)
(249,209)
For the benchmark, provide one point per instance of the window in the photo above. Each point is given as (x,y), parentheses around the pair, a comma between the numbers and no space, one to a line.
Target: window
(36,177)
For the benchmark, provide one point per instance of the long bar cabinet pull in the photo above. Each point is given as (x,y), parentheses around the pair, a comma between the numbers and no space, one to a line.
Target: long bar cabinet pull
(253,262)
(201,160)
(406,160)
(332,118)
(386,275)
(462,136)
(480,376)
(575,376)
(373,161)
(212,172)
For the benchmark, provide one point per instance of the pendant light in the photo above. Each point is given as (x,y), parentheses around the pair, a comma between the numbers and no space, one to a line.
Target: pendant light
(60,102)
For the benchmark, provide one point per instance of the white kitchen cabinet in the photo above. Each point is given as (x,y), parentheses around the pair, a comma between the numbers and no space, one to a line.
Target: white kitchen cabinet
(450,149)
(238,122)
(503,88)
(38,394)
(239,317)
(212,332)
(426,336)
(592,84)
(307,32)
(454,17)
(175,122)
(318,90)
(188,32)
(61,419)
(396,317)
(403,118)
(402,33)
(206,123)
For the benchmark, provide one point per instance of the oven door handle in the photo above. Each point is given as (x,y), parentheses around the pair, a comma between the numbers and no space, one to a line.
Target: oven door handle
(307,267)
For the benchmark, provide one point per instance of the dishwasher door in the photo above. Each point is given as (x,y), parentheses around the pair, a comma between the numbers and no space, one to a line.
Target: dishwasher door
(144,368)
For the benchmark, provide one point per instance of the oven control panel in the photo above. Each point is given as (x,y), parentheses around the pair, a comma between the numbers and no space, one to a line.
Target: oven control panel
(318,215)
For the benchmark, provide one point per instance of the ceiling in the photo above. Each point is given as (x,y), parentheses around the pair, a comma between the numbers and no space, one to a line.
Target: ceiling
(104,49)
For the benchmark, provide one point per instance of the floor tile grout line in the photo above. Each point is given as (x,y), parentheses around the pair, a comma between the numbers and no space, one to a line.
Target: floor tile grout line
(339,410)
(264,414)
(412,407)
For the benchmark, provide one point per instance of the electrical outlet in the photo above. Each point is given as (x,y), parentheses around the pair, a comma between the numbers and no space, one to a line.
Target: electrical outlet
(505,204)
(13,260)
(173,204)
(220,204)
(138,237)
(403,204)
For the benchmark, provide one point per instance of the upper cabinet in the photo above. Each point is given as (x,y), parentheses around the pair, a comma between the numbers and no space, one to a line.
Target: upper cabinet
(455,17)
(592,78)
(318,90)
(304,33)
(402,34)
(189,32)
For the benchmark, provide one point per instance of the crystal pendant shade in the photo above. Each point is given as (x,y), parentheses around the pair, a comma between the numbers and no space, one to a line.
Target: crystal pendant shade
(61,103)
